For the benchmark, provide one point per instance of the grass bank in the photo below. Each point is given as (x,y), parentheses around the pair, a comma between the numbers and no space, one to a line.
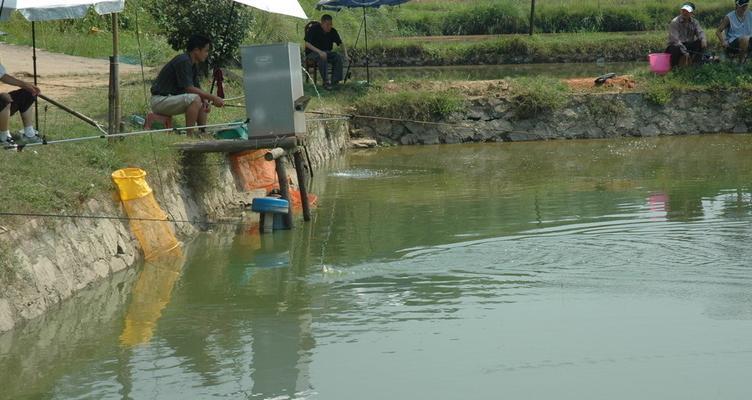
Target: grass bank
(518,49)
(60,178)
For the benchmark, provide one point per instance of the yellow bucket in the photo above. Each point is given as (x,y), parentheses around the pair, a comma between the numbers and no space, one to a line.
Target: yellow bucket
(131,183)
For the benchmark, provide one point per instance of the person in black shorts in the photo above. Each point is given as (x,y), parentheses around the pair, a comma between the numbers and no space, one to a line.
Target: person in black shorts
(19,101)
(319,42)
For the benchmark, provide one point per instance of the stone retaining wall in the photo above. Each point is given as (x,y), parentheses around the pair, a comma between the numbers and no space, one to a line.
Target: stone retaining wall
(494,119)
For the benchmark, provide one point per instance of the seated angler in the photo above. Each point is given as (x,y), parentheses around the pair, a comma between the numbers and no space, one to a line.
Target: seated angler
(735,31)
(686,38)
(19,101)
(177,90)
(319,43)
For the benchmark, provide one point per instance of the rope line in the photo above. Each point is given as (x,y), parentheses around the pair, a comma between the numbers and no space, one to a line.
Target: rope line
(116,218)
(213,127)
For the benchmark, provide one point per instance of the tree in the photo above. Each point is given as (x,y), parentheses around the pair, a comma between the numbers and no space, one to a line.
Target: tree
(224,22)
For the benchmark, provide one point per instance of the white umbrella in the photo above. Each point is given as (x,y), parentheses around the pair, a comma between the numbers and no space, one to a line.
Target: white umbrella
(48,10)
(284,7)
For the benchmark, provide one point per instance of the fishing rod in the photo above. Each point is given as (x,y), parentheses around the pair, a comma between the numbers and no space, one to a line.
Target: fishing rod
(212,127)
(73,112)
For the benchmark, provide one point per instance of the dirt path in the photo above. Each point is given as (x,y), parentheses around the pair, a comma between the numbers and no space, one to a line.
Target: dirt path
(58,74)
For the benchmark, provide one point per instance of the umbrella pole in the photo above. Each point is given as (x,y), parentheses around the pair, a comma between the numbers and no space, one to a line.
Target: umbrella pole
(114,95)
(227,32)
(357,40)
(365,30)
(34,60)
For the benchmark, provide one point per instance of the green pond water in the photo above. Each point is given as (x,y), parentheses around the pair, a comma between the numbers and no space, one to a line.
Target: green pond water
(613,269)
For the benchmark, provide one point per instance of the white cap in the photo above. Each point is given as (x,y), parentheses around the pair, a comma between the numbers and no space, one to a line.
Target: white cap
(688,7)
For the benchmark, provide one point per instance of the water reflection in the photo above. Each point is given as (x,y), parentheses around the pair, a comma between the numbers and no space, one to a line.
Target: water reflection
(453,269)
(150,296)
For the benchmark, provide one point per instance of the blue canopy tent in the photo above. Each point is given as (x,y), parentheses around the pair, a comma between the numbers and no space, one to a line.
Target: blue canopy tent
(336,5)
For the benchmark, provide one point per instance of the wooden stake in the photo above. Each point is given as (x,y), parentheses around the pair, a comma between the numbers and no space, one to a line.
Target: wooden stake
(302,184)
(284,190)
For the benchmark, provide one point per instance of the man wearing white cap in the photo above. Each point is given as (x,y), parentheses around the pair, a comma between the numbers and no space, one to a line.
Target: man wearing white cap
(686,39)
(735,30)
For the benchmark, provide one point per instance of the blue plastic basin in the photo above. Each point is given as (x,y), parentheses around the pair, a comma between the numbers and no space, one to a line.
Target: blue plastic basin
(270,205)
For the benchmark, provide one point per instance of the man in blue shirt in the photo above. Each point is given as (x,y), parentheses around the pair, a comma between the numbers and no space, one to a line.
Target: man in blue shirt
(319,43)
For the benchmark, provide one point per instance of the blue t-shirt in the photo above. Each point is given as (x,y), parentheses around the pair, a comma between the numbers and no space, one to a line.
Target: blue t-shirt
(738,27)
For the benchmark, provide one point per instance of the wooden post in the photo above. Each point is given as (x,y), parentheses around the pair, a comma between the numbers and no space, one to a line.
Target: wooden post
(532,16)
(34,61)
(284,189)
(302,184)
(114,114)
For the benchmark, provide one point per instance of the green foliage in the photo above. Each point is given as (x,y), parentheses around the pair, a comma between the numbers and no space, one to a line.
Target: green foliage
(532,96)
(7,259)
(510,16)
(566,47)
(200,172)
(414,105)
(722,76)
(659,93)
(224,22)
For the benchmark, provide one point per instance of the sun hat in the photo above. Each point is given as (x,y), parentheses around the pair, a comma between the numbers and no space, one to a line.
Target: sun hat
(690,7)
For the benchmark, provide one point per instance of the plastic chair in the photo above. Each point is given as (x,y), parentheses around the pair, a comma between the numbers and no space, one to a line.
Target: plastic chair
(151,118)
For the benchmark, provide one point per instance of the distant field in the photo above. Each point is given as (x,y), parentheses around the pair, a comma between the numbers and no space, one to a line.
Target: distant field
(443,21)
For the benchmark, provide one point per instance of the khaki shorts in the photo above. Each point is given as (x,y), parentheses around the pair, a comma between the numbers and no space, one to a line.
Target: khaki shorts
(172,105)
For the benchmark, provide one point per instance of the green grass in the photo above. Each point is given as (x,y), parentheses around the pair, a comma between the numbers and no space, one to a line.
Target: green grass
(413,18)
(709,77)
(512,16)
(61,177)
(411,105)
(540,48)
(533,96)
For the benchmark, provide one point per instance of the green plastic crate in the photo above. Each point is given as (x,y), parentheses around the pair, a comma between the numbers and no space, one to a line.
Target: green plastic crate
(234,133)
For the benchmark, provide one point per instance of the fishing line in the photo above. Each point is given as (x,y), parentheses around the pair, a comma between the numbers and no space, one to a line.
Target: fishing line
(128,219)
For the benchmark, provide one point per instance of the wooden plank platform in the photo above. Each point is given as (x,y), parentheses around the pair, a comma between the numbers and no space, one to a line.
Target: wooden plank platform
(236,146)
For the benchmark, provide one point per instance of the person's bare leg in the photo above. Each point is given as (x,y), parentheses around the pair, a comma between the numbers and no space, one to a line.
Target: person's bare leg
(4,118)
(743,48)
(192,114)
(685,60)
(26,117)
(203,116)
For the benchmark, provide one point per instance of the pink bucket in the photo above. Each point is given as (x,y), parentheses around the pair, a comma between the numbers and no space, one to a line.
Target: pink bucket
(660,63)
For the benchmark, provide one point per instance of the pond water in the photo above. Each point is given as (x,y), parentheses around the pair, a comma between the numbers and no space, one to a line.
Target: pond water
(491,72)
(614,269)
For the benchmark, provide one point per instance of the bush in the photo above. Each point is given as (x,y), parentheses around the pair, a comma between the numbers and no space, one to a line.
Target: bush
(659,93)
(225,24)
(415,105)
(532,96)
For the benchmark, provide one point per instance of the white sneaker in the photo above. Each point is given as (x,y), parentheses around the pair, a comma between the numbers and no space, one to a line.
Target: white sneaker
(9,143)
(33,139)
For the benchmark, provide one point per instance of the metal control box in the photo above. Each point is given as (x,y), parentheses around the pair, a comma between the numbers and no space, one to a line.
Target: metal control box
(273,80)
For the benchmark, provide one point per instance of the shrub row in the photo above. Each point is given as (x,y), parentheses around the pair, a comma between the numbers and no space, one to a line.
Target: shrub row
(506,16)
